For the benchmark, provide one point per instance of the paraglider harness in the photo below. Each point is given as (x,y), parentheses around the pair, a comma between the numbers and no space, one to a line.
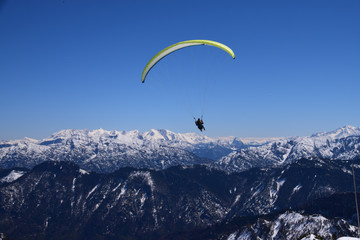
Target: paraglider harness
(199,123)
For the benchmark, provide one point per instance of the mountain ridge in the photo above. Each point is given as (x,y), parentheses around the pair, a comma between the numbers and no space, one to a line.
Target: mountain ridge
(104,151)
(61,200)
(340,144)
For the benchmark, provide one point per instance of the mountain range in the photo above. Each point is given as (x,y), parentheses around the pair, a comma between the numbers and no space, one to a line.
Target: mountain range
(340,144)
(105,151)
(59,200)
(102,184)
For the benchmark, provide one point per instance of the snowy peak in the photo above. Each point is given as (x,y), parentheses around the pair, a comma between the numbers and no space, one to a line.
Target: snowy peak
(153,135)
(292,225)
(187,141)
(342,132)
(340,144)
(103,150)
(159,148)
(159,135)
(260,141)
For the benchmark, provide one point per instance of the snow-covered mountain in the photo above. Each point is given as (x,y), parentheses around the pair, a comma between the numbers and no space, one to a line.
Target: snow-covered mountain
(62,201)
(103,150)
(106,151)
(292,225)
(340,144)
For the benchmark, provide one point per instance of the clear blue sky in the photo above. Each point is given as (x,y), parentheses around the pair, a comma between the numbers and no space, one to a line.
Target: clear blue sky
(77,64)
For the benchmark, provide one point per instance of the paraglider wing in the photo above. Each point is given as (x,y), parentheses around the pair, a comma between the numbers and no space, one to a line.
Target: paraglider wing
(181,45)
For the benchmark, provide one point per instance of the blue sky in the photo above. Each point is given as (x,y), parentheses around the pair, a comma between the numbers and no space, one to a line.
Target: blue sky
(77,64)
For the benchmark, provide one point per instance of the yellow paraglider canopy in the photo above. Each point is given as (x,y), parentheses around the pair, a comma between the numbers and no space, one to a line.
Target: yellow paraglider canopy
(163,53)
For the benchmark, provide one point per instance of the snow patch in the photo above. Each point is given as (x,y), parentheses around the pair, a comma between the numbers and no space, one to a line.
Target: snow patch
(279,183)
(116,187)
(83,172)
(232,236)
(236,199)
(297,188)
(142,200)
(122,192)
(310,237)
(275,229)
(73,186)
(12,176)
(92,190)
(348,238)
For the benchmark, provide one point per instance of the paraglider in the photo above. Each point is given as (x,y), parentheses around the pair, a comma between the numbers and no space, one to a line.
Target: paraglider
(200,124)
(177,46)
(163,53)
